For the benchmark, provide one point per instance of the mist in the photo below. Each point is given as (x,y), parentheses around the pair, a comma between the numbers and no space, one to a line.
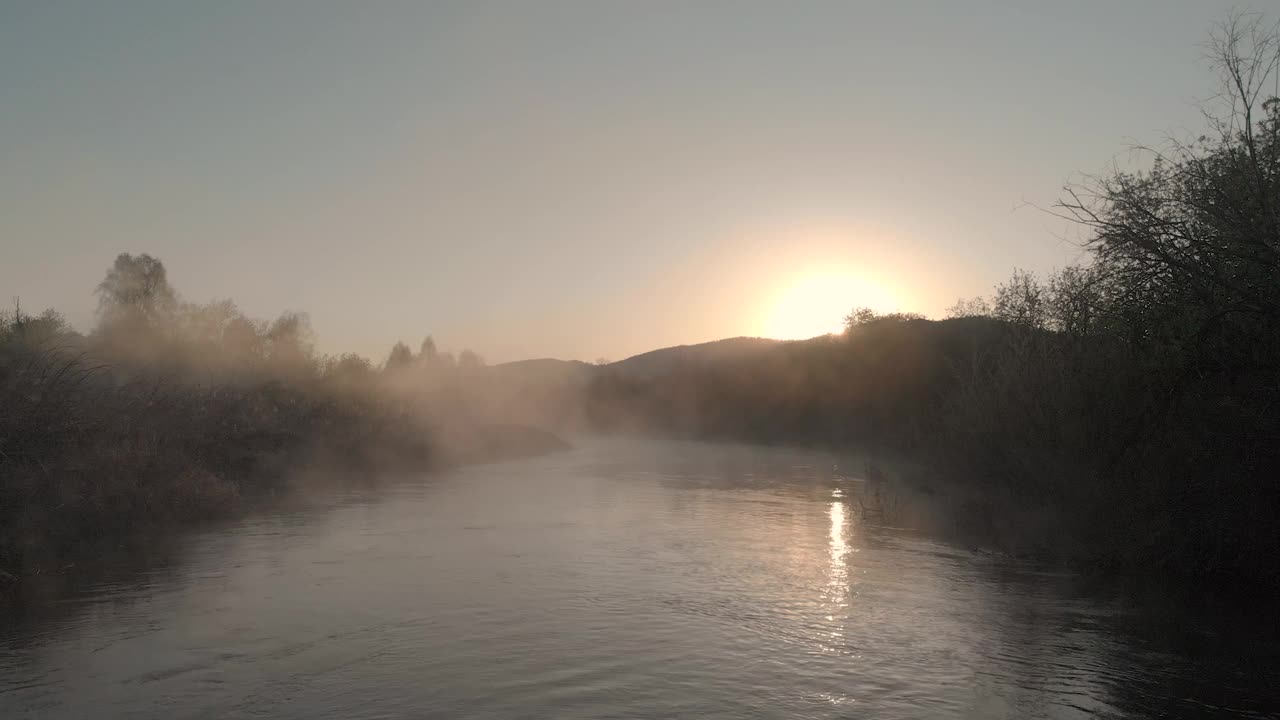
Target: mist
(169,412)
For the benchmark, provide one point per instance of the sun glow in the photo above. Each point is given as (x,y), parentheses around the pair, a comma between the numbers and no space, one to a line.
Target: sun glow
(816,303)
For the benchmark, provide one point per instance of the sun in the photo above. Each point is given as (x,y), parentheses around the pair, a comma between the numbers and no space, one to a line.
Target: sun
(816,302)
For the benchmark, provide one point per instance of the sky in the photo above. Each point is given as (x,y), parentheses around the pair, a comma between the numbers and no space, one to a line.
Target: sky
(578,180)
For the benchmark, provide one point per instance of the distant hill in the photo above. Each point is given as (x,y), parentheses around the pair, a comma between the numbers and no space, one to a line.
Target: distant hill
(660,362)
(542,370)
(646,364)
(880,382)
(547,392)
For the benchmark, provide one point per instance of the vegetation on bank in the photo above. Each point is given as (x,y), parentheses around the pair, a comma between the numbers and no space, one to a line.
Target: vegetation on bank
(1123,415)
(169,412)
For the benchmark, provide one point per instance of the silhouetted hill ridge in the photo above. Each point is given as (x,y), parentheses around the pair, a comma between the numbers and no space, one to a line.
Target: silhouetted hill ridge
(662,360)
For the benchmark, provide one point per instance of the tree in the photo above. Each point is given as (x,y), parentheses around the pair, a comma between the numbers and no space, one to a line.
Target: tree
(469,360)
(206,324)
(427,352)
(864,315)
(1192,247)
(135,289)
(290,341)
(1074,300)
(1021,300)
(242,339)
(401,357)
(859,316)
(348,370)
(47,327)
(974,307)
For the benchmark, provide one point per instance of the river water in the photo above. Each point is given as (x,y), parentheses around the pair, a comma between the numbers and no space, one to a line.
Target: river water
(617,580)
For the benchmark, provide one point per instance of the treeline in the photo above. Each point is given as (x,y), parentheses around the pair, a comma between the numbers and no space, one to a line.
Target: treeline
(1137,403)
(169,412)
(1123,415)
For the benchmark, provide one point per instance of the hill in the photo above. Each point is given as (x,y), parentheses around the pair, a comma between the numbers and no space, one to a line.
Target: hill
(658,362)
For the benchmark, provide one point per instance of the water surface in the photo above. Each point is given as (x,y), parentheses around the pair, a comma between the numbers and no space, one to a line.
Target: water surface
(619,580)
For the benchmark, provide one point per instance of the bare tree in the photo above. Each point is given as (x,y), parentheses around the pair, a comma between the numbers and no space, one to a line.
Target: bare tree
(973,307)
(1196,240)
(1021,300)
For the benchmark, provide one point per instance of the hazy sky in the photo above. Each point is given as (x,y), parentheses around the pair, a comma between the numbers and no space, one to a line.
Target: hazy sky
(568,179)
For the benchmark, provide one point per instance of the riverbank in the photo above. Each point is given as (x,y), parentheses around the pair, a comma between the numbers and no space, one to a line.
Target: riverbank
(109,516)
(168,414)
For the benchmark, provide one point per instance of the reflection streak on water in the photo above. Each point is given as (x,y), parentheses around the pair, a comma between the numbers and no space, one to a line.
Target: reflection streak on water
(837,592)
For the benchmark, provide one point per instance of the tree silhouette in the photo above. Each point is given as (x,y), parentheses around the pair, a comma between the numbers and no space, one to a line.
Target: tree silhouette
(401,357)
(469,360)
(1021,300)
(136,288)
(427,352)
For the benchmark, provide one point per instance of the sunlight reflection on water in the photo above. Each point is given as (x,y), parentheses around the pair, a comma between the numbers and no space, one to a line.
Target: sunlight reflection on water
(624,580)
(837,590)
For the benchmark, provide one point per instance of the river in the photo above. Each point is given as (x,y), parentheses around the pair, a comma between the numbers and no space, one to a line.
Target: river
(623,579)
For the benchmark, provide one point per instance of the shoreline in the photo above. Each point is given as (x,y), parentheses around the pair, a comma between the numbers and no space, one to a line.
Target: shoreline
(317,472)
